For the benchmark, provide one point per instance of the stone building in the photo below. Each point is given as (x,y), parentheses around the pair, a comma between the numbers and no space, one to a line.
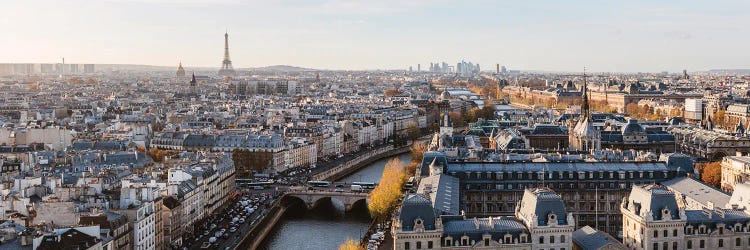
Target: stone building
(734,169)
(592,191)
(652,219)
(540,222)
(709,144)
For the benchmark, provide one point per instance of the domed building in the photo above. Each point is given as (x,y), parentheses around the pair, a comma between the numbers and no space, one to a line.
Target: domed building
(180,72)
(633,135)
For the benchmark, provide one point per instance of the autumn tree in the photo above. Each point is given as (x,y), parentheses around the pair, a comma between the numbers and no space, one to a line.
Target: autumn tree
(351,244)
(710,173)
(391,92)
(384,197)
(720,119)
(457,118)
(246,160)
(158,155)
(413,132)
(417,151)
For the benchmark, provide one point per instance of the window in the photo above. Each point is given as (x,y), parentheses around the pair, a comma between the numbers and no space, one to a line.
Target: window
(721,242)
(562,238)
(656,246)
(674,245)
(419,245)
(665,233)
(448,242)
(737,242)
(702,244)
(429,245)
(486,242)
(541,239)
(552,239)
(666,245)
(656,234)
(407,246)
(674,233)
(689,244)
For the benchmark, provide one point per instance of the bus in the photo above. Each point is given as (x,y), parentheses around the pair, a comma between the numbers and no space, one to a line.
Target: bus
(365,185)
(252,184)
(242,182)
(319,183)
(260,185)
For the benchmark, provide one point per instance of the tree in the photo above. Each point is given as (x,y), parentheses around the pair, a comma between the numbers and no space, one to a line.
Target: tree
(720,119)
(413,132)
(246,160)
(417,151)
(158,155)
(384,197)
(457,118)
(351,244)
(710,173)
(391,92)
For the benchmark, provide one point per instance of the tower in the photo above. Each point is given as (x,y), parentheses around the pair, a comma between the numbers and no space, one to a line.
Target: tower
(193,84)
(584,136)
(226,64)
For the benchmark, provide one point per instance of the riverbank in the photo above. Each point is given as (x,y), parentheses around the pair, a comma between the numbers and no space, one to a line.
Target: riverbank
(270,221)
(351,166)
(261,230)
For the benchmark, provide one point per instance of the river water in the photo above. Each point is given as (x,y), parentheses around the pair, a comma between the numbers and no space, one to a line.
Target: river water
(326,227)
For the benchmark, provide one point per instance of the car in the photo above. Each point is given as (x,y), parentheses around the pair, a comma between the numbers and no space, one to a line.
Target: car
(338,190)
(233,229)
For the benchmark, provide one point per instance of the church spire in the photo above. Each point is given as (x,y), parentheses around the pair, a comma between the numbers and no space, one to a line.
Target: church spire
(585,110)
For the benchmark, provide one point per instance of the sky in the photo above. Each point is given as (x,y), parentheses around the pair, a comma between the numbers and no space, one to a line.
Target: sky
(603,36)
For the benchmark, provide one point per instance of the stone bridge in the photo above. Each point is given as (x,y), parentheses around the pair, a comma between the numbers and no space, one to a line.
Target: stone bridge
(312,198)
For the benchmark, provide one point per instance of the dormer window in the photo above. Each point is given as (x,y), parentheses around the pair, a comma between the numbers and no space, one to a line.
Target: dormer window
(665,214)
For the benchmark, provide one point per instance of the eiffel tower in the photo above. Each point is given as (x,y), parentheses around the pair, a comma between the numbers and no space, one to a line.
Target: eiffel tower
(226,65)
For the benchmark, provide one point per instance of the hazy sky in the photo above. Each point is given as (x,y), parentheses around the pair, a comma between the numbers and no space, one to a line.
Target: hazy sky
(382,34)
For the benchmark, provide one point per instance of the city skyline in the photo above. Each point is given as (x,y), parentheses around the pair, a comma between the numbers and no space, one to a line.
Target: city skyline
(341,35)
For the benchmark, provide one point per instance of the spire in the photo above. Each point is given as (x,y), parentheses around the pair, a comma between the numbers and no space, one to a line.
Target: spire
(192,81)
(585,112)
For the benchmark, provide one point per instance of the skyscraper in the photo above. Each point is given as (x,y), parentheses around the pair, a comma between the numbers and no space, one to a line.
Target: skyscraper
(226,65)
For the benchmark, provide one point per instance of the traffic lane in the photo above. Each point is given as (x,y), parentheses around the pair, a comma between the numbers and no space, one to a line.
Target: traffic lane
(233,238)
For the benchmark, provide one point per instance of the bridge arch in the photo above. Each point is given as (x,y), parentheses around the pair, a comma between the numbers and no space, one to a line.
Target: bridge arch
(360,202)
(312,200)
